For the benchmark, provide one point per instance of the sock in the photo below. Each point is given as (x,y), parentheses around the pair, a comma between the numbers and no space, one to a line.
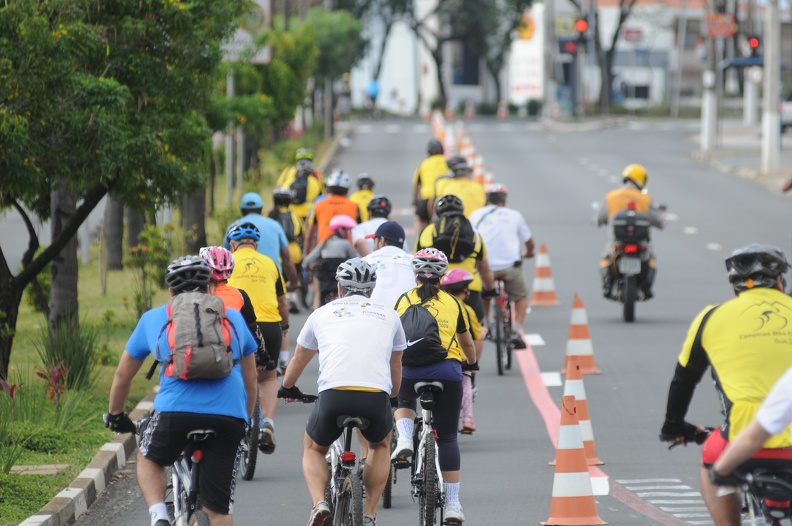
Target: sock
(284,355)
(271,422)
(405,427)
(452,492)
(158,512)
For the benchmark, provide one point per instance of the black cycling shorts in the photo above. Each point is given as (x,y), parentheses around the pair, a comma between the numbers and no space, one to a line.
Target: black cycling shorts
(273,337)
(422,210)
(373,406)
(475,302)
(166,437)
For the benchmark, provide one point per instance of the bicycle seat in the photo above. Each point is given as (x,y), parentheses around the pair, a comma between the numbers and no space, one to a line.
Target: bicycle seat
(434,387)
(199,435)
(345,420)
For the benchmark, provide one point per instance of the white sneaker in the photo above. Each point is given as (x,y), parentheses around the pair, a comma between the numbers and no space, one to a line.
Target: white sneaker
(404,449)
(452,512)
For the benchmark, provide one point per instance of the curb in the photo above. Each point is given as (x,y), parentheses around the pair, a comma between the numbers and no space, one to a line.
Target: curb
(68,505)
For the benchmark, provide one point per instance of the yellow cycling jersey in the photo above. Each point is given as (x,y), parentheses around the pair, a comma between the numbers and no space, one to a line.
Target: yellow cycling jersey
(430,169)
(448,312)
(748,342)
(473,322)
(259,277)
(426,240)
(470,192)
(617,200)
(315,189)
(362,198)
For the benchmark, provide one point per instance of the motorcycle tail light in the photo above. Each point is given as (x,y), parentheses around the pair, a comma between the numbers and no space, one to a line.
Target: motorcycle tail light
(630,249)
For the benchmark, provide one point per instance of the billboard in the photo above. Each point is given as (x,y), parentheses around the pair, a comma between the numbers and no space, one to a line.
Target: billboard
(240,47)
(526,60)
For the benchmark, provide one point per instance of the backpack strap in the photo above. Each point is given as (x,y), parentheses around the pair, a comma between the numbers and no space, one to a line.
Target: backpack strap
(157,359)
(478,223)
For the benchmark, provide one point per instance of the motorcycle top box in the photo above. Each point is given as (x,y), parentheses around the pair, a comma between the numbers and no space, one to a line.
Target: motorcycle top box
(630,226)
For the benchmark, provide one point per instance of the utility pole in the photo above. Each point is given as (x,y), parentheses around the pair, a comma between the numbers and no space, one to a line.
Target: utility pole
(681,37)
(709,98)
(771,126)
(328,91)
(229,143)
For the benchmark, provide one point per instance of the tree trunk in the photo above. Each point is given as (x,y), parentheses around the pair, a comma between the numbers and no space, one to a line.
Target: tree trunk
(494,71)
(385,33)
(135,221)
(63,290)
(437,55)
(193,213)
(114,233)
(10,297)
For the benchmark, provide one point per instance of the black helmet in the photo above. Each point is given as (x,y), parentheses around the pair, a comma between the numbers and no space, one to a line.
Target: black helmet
(282,196)
(435,147)
(188,274)
(755,266)
(379,206)
(449,203)
(459,165)
(365,181)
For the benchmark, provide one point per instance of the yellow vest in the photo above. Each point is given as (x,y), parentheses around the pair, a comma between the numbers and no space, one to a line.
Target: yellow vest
(618,199)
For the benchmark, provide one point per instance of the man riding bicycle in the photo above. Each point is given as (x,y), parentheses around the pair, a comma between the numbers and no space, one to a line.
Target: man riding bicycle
(738,338)
(360,346)
(223,404)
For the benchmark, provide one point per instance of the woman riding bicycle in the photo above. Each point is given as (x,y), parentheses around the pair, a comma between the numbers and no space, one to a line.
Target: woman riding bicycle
(443,363)
(330,253)
(456,282)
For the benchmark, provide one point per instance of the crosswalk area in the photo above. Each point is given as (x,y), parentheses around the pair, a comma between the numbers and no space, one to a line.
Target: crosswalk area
(672,496)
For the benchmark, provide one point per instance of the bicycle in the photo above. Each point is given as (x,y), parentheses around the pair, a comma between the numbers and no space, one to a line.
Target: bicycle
(344,491)
(250,445)
(181,494)
(503,329)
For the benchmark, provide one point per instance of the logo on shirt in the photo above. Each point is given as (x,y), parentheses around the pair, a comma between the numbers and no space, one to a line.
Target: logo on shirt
(410,343)
(768,317)
(343,312)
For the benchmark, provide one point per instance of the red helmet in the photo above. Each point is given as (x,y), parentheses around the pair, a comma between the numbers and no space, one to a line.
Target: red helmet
(219,260)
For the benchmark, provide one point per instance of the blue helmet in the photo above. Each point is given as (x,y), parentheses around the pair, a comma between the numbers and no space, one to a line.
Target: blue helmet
(243,231)
(251,201)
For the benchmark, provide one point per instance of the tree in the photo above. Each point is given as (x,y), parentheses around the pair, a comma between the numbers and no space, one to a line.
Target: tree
(100,96)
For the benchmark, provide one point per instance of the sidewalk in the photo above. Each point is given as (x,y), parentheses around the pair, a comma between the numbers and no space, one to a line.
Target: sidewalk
(738,151)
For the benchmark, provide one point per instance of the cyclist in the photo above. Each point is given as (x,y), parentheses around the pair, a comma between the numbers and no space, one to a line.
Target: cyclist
(273,244)
(461,184)
(423,182)
(379,208)
(364,194)
(294,228)
(456,282)
(475,262)
(221,261)
(303,177)
(508,240)
(634,177)
(738,338)
(336,203)
(346,333)
(180,406)
(393,264)
(773,417)
(259,277)
(429,265)
(330,253)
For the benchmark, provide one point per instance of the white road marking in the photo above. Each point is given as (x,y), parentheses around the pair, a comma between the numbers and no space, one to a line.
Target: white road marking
(600,485)
(614,179)
(714,246)
(690,230)
(393,128)
(644,488)
(646,481)
(676,502)
(504,127)
(552,379)
(420,128)
(669,494)
(534,339)
(364,128)
(670,216)
(603,172)
(671,510)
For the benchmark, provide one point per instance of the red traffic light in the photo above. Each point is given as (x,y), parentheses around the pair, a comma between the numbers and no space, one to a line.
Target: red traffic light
(570,46)
(753,42)
(581,25)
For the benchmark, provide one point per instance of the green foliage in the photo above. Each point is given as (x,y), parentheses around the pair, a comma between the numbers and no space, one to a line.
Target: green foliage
(44,438)
(40,302)
(149,261)
(74,346)
(339,39)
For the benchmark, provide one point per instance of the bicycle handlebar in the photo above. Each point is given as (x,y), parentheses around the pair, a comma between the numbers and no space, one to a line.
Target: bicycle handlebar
(699,437)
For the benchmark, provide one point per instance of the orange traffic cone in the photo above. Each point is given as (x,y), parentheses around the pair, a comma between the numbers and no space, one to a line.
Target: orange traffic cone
(449,110)
(543,285)
(579,342)
(574,387)
(503,110)
(470,109)
(573,501)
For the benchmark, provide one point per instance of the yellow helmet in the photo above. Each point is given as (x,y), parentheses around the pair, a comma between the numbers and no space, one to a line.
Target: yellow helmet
(635,173)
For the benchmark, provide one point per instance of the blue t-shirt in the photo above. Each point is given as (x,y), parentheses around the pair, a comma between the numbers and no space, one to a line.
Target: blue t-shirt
(224,396)
(273,239)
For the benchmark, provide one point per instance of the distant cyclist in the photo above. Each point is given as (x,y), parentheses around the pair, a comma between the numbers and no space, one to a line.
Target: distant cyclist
(424,179)
(365,193)
(379,208)
(739,340)
(508,240)
(294,229)
(180,406)
(330,253)
(394,266)
(462,185)
(429,265)
(336,203)
(359,344)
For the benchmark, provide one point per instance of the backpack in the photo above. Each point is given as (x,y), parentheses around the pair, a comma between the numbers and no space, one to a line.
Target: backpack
(300,186)
(424,346)
(287,223)
(199,337)
(456,237)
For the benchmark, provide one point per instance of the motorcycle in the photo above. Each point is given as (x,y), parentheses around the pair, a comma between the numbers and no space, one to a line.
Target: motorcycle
(629,259)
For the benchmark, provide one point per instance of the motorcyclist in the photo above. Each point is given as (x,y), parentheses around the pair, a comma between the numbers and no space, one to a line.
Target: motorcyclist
(633,195)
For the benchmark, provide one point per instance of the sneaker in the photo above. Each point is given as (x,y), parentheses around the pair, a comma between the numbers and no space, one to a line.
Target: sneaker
(468,426)
(517,340)
(368,519)
(403,451)
(294,306)
(320,515)
(162,522)
(266,442)
(452,513)
(282,365)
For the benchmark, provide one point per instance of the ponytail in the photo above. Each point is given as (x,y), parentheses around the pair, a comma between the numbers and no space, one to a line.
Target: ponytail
(427,288)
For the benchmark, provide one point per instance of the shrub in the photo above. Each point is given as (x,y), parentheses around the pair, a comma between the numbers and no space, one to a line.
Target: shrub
(45,438)
(76,345)
(149,262)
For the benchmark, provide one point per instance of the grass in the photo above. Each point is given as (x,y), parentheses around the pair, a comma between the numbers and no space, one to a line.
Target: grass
(113,312)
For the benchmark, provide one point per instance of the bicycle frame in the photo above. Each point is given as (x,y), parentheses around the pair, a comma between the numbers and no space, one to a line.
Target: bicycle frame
(184,480)
(424,428)
(423,431)
(343,466)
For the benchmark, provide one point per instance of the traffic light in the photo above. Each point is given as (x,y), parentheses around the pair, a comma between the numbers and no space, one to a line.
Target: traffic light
(581,26)
(753,44)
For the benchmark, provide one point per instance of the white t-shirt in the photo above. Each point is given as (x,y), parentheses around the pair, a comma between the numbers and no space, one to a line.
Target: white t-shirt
(367,228)
(775,413)
(355,338)
(395,275)
(504,233)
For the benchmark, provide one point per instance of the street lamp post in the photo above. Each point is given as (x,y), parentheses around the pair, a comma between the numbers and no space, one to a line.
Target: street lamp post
(771,126)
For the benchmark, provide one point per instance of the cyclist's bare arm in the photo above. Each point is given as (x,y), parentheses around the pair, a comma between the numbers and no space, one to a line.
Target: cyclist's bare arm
(486,274)
(529,249)
(248,365)
(747,442)
(465,340)
(396,372)
(302,356)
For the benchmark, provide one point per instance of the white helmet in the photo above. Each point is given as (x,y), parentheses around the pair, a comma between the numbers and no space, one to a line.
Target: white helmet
(356,274)
(340,179)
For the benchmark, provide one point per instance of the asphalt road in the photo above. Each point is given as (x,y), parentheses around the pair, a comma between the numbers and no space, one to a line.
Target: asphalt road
(553,177)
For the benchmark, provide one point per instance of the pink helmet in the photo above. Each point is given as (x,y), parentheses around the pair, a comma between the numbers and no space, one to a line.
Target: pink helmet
(219,260)
(342,221)
(429,263)
(456,276)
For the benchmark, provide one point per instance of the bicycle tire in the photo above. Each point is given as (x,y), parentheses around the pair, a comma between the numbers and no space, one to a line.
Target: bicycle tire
(201,518)
(387,493)
(500,339)
(349,503)
(250,456)
(427,502)
(508,330)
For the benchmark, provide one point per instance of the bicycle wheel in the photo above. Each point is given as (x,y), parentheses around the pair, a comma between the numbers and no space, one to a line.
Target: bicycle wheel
(349,503)
(500,339)
(200,518)
(250,451)
(427,501)
(507,324)
(387,493)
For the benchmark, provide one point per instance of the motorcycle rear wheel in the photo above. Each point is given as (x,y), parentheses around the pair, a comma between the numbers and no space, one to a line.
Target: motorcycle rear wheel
(629,296)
